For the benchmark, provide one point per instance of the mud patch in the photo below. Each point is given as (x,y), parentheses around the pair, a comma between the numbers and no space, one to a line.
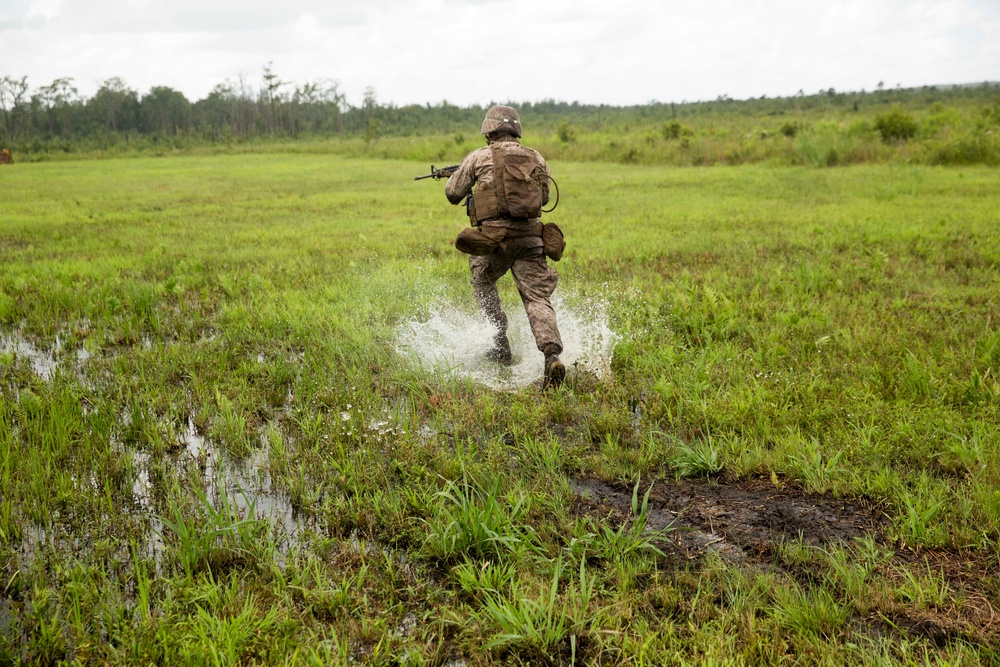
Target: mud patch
(745,521)
(970,605)
(736,519)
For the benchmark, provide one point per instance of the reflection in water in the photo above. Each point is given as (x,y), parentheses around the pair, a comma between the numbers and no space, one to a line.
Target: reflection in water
(42,363)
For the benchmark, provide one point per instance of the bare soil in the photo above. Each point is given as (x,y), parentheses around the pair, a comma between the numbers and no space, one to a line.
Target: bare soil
(738,519)
(744,520)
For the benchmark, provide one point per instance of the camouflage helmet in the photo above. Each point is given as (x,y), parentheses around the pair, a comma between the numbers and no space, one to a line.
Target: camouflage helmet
(501,119)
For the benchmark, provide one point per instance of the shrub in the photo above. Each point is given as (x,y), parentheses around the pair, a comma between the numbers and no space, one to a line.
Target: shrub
(789,129)
(698,460)
(991,116)
(896,125)
(967,150)
(671,130)
(566,133)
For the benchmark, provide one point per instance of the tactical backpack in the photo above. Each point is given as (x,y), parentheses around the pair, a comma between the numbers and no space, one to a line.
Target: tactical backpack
(517,189)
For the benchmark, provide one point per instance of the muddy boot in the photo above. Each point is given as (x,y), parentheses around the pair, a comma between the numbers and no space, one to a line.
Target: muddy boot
(500,352)
(555,371)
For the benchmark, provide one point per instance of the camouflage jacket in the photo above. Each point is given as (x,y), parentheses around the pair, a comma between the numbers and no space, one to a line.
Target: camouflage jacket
(477,167)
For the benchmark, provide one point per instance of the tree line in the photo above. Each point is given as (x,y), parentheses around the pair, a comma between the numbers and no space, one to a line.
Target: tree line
(234,110)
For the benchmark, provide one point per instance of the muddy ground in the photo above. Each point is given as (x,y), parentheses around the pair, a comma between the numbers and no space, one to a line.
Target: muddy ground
(739,519)
(745,520)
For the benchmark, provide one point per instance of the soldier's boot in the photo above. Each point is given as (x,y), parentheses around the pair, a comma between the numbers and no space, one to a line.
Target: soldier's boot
(500,352)
(555,371)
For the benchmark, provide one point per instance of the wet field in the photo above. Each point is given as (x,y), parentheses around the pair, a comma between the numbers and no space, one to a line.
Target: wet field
(246,415)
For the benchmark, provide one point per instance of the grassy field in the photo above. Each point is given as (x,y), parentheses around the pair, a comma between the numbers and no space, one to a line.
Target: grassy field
(222,439)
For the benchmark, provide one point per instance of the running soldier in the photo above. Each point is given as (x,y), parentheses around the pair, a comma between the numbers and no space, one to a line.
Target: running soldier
(508,184)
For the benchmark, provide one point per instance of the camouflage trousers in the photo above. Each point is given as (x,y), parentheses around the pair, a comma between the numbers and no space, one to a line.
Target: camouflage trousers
(535,282)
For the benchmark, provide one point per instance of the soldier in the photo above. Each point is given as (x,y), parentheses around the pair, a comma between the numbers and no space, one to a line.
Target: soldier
(511,185)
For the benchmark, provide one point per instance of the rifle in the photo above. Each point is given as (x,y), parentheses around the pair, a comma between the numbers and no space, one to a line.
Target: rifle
(437,174)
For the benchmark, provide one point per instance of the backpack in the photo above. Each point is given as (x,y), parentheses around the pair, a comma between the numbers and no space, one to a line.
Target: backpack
(517,188)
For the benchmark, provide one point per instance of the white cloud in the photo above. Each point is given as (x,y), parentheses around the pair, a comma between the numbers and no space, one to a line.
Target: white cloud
(477,51)
(44,9)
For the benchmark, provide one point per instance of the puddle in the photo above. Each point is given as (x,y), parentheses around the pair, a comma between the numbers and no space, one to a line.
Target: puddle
(246,482)
(738,520)
(45,362)
(33,538)
(451,341)
(42,363)
(142,486)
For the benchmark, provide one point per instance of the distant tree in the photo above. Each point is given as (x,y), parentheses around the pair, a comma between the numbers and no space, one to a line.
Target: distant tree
(369,108)
(370,102)
(58,102)
(789,129)
(308,108)
(270,97)
(566,132)
(115,105)
(229,110)
(243,109)
(164,110)
(13,99)
(335,101)
(317,104)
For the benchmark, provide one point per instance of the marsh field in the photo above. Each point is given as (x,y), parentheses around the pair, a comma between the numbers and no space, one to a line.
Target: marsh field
(245,419)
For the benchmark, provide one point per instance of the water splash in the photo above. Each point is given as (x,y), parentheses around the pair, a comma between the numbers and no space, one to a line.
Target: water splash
(451,341)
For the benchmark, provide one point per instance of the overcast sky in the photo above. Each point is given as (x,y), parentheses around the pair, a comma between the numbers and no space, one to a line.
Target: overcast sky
(477,51)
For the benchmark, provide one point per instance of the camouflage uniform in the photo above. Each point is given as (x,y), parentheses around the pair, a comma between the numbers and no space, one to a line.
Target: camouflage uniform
(521,254)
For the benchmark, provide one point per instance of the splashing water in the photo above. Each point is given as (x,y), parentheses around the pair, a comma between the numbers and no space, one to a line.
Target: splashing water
(455,342)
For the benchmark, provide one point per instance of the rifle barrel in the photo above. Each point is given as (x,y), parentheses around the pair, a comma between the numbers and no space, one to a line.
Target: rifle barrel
(436,173)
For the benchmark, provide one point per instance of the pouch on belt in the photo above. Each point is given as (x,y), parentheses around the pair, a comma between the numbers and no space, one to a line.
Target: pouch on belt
(484,240)
(480,240)
(553,241)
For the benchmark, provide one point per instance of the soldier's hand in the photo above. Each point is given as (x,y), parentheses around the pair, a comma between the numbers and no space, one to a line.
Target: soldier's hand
(445,173)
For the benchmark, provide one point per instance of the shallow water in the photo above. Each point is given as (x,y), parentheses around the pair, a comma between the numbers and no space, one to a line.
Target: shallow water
(42,363)
(453,342)
(247,482)
(46,361)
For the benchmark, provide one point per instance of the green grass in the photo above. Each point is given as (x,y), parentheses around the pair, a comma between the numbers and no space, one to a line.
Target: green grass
(837,328)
